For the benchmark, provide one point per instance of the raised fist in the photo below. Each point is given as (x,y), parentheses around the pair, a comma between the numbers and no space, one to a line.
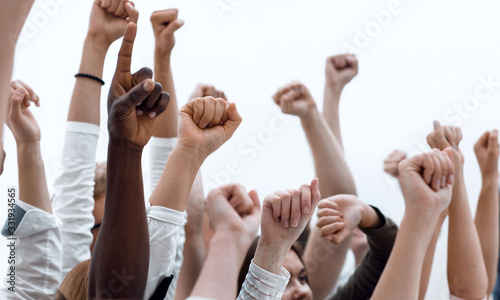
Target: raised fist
(340,70)
(340,215)
(107,23)
(206,124)
(487,151)
(295,99)
(222,208)
(165,23)
(134,101)
(285,214)
(391,164)
(446,136)
(427,181)
(204,90)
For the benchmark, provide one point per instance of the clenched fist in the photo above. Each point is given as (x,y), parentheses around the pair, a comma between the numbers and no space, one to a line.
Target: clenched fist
(232,211)
(391,164)
(487,151)
(340,70)
(447,136)
(165,24)
(134,101)
(427,181)
(207,123)
(295,99)
(204,90)
(108,20)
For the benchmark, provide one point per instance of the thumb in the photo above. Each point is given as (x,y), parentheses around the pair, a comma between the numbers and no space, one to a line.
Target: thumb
(255,201)
(234,120)
(16,101)
(132,12)
(315,194)
(138,94)
(493,140)
(173,27)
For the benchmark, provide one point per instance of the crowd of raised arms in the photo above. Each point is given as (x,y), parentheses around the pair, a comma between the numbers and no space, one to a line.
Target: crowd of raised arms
(98,238)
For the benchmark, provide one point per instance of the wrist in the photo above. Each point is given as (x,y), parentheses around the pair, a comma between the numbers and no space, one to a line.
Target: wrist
(162,56)
(189,154)
(97,42)
(334,88)
(229,239)
(124,146)
(311,116)
(369,219)
(270,256)
(490,177)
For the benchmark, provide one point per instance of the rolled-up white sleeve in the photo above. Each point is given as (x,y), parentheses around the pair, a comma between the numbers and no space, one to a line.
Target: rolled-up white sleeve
(73,201)
(35,251)
(263,285)
(165,226)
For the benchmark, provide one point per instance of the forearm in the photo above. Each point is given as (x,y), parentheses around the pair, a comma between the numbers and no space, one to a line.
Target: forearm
(324,262)
(123,228)
(270,256)
(401,276)
(429,257)
(331,168)
(85,102)
(487,225)
(331,110)
(177,179)
(32,181)
(192,264)
(222,266)
(467,276)
(163,75)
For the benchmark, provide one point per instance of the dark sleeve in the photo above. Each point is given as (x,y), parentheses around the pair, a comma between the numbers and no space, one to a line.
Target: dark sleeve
(364,280)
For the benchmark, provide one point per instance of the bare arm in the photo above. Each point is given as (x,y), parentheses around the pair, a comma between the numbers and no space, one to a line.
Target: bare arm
(426,197)
(165,23)
(323,259)
(486,220)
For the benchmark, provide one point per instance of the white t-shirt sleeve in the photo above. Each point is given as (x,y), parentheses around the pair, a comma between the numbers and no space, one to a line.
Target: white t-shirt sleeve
(73,201)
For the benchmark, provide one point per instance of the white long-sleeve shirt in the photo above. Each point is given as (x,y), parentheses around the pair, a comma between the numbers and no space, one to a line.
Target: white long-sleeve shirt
(166,234)
(260,284)
(73,201)
(49,246)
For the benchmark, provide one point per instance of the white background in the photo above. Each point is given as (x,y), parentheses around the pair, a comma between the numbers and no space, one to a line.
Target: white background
(415,68)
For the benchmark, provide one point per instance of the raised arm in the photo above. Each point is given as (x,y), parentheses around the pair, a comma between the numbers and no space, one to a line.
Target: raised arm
(32,180)
(426,182)
(467,276)
(487,207)
(13,14)
(73,201)
(335,178)
(165,23)
(340,70)
(125,225)
(234,233)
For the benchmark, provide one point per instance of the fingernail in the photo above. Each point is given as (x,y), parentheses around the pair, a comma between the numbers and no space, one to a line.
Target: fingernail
(152,115)
(148,85)
(451,179)
(443,181)
(139,112)
(20,92)
(181,22)
(285,224)
(203,125)
(295,223)
(306,210)
(438,183)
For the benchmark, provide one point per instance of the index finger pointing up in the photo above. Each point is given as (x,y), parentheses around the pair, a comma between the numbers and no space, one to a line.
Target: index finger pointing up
(125,54)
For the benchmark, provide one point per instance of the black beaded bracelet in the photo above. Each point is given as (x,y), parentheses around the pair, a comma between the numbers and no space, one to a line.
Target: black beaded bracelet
(90,77)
